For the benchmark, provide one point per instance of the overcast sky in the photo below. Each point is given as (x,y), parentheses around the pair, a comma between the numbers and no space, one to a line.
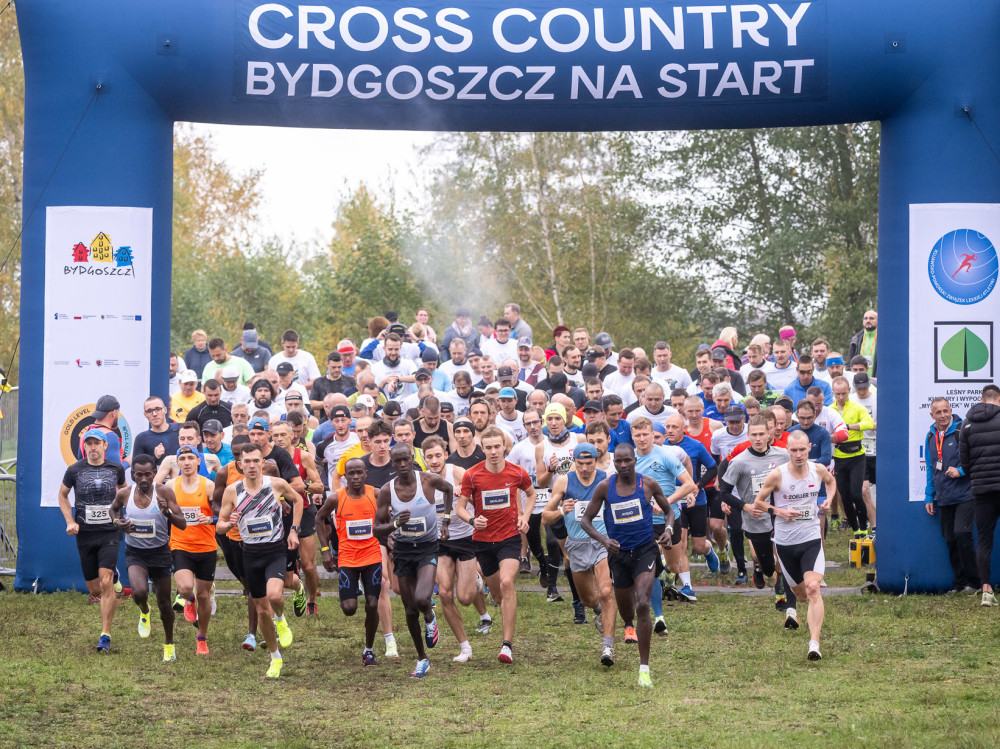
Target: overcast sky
(307,171)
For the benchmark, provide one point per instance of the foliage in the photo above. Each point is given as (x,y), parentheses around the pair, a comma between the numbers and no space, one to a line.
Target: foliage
(11,204)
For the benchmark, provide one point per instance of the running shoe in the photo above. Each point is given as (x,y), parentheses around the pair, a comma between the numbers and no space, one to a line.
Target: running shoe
(274,670)
(724,563)
(579,613)
(989,599)
(791,619)
(860,534)
(644,679)
(835,523)
(202,647)
(463,655)
(659,626)
(485,625)
(312,609)
(421,670)
(524,568)
(779,602)
(712,560)
(553,596)
(687,594)
(543,578)
(250,643)
(391,650)
(479,583)
(190,612)
(505,655)
(431,633)
(599,623)
(284,633)
(814,654)
(670,592)
(299,600)
(608,656)
(212,599)
(741,579)
(104,644)
(93,599)
(178,604)
(144,627)
(368,657)
(822,583)
(169,654)
(630,635)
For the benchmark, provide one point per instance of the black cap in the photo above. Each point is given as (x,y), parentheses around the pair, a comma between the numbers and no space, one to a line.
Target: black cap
(422,372)
(735,413)
(392,408)
(447,406)
(718,353)
(105,405)
(592,406)
(505,373)
(861,380)
(340,411)
(398,328)
(284,368)
(593,353)
(428,355)
(213,426)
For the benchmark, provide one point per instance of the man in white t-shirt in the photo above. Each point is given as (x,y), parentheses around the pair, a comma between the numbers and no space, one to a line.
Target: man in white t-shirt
(458,361)
(232,391)
(501,346)
(286,383)
(782,373)
(620,382)
(390,371)
(302,361)
(652,406)
(670,376)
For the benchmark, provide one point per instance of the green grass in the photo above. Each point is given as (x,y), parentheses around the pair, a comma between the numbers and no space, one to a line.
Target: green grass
(918,671)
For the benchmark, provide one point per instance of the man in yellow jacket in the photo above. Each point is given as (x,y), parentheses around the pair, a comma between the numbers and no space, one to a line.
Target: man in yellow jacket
(849,458)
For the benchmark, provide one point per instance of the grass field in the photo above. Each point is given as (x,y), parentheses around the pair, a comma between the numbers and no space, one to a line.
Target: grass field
(917,671)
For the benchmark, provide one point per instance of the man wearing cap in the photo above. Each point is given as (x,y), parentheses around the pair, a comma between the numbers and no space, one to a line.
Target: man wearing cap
(467,452)
(603,341)
(806,379)
(439,380)
(529,370)
(106,421)
(220,359)
(423,379)
(334,381)
(160,439)
(303,363)
(343,439)
(287,384)
(720,359)
(252,352)
(232,391)
(186,398)
(212,433)
(95,481)
(509,417)
(213,407)
(263,399)
(463,330)
(189,435)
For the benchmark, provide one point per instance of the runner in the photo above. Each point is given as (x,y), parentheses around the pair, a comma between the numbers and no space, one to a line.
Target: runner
(849,456)
(492,488)
(467,452)
(634,554)
(865,395)
(794,490)
(588,559)
(359,555)
(405,511)
(94,482)
(457,576)
(254,505)
(193,547)
(723,441)
(523,455)
(701,429)
(145,514)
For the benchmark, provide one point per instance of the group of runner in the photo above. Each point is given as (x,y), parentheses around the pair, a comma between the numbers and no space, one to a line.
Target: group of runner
(451,495)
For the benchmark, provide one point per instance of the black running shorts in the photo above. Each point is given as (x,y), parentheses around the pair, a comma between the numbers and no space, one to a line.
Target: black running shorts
(98,551)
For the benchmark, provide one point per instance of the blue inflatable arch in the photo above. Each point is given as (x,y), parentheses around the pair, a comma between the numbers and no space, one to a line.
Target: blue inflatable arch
(109,78)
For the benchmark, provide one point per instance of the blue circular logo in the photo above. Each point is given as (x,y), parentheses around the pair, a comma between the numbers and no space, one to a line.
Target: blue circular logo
(963,266)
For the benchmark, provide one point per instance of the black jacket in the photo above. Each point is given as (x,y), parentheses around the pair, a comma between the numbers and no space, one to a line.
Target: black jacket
(979,448)
(855,348)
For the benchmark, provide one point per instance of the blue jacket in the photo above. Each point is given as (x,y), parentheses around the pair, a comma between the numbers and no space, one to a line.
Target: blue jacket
(942,488)
(796,392)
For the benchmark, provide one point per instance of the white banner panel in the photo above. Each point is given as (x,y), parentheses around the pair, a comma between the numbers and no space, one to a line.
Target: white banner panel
(97,327)
(954,308)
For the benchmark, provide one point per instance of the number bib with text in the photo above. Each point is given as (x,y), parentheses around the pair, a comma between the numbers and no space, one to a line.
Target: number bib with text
(629,511)
(496,499)
(97,514)
(413,527)
(144,528)
(359,530)
(260,527)
(807,512)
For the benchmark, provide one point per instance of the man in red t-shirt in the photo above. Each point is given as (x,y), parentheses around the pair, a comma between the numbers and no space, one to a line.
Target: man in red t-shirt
(493,488)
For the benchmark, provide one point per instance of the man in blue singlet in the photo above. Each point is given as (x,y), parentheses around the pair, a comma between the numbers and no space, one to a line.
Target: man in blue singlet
(633,554)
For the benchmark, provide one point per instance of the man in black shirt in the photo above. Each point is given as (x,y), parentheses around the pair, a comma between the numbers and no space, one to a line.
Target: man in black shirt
(377,462)
(95,482)
(468,453)
(213,407)
(260,434)
(335,381)
(160,439)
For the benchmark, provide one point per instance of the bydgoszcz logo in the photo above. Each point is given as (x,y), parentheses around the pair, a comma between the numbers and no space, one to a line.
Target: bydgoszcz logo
(963,266)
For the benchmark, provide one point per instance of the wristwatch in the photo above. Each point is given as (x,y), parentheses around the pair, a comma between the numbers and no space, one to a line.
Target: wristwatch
(297,528)
(447,517)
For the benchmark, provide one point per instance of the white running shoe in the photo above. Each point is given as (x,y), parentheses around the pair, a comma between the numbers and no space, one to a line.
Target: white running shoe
(463,655)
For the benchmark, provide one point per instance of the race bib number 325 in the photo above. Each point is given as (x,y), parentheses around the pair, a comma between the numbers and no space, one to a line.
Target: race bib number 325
(97,514)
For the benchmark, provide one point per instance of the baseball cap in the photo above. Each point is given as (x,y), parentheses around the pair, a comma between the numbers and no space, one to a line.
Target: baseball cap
(284,368)
(366,401)
(392,408)
(250,339)
(604,340)
(508,393)
(463,423)
(422,372)
(658,427)
(584,448)
(734,413)
(188,449)
(259,423)
(718,353)
(230,373)
(505,373)
(524,340)
(398,328)
(95,434)
(555,408)
(703,347)
(787,333)
(345,347)
(212,426)
(862,380)
(428,355)
(108,403)
(447,406)
(592,406)
(474,352)
(187,375)
(343,410)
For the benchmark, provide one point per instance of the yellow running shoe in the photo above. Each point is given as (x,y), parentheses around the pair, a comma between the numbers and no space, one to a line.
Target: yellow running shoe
(644,680)
(284,633)
(144,624)
(274,670)
(168,653)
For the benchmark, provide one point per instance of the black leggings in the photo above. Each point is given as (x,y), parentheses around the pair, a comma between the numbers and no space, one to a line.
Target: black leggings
(850,476)
(987,513)
(763,546)
(534,537)
(956,527)
(736,539)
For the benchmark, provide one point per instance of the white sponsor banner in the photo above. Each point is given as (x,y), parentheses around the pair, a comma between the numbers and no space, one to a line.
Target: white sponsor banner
(97,335)
(954,306)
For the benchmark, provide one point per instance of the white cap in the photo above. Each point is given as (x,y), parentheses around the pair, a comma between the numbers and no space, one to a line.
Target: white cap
(366,400)
(230,373)
(187,375)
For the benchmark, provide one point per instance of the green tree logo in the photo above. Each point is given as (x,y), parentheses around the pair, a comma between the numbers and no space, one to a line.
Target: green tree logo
(965,352)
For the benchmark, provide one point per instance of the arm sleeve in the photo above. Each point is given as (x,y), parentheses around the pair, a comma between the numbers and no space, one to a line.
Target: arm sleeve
(727,496)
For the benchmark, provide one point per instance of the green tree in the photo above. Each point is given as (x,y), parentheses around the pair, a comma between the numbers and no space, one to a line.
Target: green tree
(11,204)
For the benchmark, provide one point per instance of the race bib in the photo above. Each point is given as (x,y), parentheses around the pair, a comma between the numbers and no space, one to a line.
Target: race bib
(757,482)
(144,528)
(413,527)
(260,527)
(579,508)
(807,512)
(629,511)
(439,508)
(190,514)
(541,498)
(97,514)
(359,530)
(869,443)
(496,499)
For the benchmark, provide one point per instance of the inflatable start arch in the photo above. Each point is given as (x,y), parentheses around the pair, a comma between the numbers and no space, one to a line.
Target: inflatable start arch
(107,79)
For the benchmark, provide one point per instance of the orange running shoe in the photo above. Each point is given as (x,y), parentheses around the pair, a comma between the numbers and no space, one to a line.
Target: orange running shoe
(630,635)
